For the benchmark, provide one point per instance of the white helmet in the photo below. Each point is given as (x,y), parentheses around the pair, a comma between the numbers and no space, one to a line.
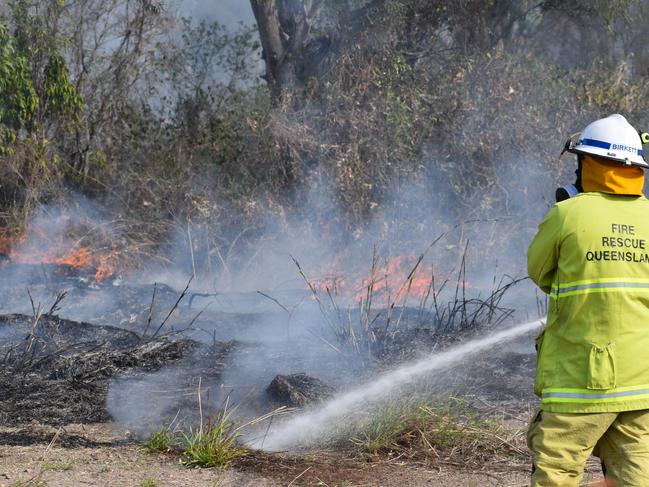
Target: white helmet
(610,138)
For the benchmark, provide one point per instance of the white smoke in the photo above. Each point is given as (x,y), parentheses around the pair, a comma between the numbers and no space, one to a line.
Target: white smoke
(227,12)
(313,423)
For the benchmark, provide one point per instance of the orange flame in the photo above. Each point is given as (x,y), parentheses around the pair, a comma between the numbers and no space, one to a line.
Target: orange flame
(106,267)
(401,276)
(398,278)
(79,259)
(40,250)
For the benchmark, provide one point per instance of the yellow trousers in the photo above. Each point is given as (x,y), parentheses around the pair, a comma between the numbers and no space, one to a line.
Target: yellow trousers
(562,443)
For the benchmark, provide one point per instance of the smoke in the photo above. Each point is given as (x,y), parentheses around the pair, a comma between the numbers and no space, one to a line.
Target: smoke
(63,246)
(284,330)
(141,402)
(311,424)
(227,12)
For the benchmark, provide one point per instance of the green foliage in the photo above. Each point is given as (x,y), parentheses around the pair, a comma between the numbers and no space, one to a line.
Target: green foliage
(380,430)
(35,87)
(161,441)
(175,124)
(61,97)
(38,41)
(18,98)
(214,445)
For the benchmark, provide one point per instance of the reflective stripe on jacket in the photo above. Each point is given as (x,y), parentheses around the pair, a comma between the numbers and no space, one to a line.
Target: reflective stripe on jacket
(591,254)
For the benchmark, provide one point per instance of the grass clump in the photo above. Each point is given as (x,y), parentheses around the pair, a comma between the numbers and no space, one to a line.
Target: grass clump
(148,483)
(380,430)
(160,441)
(428,431)
(214,445)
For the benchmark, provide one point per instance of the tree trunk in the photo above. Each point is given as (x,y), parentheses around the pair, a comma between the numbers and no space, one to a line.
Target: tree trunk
(284,28)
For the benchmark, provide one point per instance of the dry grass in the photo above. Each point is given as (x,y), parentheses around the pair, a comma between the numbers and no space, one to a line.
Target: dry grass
(367,328)
(37,480)
(29,483)
(432,432)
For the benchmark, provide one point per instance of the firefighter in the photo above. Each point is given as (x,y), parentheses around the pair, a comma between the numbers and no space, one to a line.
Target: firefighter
(591,255)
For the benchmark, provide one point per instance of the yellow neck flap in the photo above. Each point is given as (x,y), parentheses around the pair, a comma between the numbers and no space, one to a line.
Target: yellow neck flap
(611,177)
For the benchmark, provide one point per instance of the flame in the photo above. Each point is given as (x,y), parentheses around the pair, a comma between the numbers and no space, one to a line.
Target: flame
(7,243)
(77,259)
(398,277)
(107,266)
(39,249)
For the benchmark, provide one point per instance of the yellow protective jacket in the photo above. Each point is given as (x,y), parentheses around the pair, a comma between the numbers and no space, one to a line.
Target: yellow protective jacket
(591,255)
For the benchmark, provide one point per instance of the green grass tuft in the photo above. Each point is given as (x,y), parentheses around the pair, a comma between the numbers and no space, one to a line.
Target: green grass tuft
(215,445)
(159,441)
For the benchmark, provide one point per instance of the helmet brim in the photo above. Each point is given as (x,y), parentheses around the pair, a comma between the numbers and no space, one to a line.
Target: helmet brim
(633,160)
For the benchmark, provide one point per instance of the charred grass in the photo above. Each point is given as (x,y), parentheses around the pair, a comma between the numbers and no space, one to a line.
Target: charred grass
(388,313)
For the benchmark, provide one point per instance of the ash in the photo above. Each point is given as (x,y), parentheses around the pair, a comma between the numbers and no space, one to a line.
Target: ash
(59,371)
(143,355)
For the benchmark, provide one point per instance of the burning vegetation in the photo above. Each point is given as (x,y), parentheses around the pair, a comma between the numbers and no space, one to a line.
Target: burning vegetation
(203,225)
(77,260)
(357,134)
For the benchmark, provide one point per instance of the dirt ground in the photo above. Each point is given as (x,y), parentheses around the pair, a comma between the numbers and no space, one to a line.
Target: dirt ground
(105,455)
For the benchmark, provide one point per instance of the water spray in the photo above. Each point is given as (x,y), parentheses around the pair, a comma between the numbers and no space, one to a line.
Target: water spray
(310,424)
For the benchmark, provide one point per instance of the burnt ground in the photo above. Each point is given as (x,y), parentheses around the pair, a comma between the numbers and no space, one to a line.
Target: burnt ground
(61,372)
(98,368)
(58,371)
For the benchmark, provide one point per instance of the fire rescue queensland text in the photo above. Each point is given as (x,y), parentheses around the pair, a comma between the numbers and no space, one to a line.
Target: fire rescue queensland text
(631,248)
